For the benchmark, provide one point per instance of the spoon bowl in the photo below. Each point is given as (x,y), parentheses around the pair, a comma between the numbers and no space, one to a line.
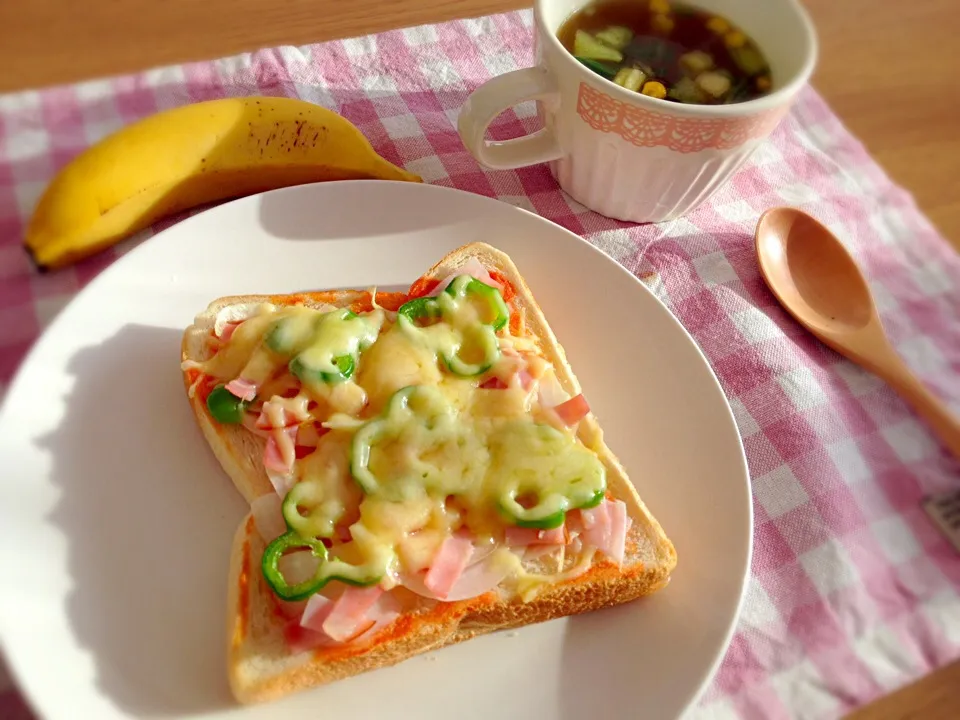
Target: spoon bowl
(818,282)
(808,268)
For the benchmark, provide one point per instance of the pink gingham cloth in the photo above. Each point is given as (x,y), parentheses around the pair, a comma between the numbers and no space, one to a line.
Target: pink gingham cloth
(853,592)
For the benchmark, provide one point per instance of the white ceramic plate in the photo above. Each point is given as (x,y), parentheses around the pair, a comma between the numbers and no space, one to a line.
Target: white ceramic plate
(116,521)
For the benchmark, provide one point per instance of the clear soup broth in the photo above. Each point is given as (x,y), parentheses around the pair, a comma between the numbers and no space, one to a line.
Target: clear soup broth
(667,50)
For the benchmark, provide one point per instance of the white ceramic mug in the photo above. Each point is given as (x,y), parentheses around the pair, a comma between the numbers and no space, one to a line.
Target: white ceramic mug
(626,155)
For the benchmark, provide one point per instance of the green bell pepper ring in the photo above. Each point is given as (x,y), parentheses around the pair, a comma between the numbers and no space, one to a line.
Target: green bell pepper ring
(485,339)
(306,513)
(345,365)
(225,407)
(327,569)
(427,406)
(421,308)
(371,433)
(549,512)
(466,286)
(607,70)
(270,565)
(494,314)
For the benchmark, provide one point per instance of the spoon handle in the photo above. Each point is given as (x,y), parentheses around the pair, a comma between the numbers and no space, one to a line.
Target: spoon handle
(944,423)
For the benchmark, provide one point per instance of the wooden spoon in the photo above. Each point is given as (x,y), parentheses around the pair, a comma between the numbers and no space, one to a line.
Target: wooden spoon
(814,277)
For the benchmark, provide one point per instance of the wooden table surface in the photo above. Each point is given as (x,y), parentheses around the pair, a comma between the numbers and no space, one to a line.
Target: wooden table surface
(889,68)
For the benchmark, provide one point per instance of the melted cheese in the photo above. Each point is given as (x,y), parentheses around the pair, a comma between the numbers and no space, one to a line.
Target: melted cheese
(396,361)
(446,459)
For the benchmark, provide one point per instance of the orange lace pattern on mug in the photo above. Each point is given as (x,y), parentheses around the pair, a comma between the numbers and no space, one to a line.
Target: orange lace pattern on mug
(647,128)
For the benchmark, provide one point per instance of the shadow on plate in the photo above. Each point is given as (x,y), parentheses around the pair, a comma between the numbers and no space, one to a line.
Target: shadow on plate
(284,215)
(594,680)
(143,521)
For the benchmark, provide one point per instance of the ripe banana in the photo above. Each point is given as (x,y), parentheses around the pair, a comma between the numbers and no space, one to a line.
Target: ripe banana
(188,156)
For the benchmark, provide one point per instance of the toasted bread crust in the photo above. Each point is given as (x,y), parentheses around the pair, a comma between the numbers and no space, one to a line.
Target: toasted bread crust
(261,670)
(260,665)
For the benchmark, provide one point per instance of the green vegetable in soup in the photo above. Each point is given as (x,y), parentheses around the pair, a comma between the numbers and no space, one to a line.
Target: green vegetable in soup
(739,93)
(748,59)
(586,46)
(696,62)
(616,36)
(715,84)
(605,69)
(630,78)
(687,91)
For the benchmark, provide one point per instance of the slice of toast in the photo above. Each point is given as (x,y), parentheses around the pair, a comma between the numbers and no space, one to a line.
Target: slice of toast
(261,663)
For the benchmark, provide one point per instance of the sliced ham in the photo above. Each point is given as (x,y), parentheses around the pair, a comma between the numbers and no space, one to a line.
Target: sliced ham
(268,516)
(448,565)
(282,481)
(316,612)
(309,434)
(348,616)
(272,417)
(477,579)
(307,632)
(617,512)
(250,420)
(521,537)
(275,457)
(520,378)
(573,410)
(228,330)
(596,525)
(605,528)
(232,315)
(525,379)
(243,389)
(493,383)
(472,267)
(384,611)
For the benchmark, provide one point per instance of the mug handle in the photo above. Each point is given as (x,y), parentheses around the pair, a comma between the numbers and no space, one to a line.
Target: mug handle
(491,99)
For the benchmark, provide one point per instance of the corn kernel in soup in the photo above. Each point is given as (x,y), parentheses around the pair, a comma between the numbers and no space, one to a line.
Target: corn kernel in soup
(668,51)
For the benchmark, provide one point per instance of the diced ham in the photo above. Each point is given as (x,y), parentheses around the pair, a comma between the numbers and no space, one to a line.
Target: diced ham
(520,378)
(348,616)
(448,565)
(243,389)
(316,612)
(573,410)
(472,267)
(309,434)
(596,526)
(249,421)
(525,379)
(308,633)
(617,511)
(519,537)
(228,330)
(265,421)
(274,457)
(605,528)
(493,383)
(232,315)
